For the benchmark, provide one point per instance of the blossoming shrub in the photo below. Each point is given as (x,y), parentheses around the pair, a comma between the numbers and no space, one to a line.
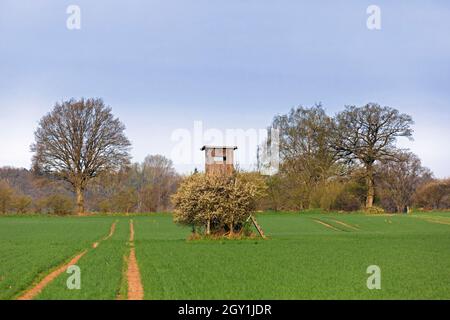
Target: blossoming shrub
(217,204)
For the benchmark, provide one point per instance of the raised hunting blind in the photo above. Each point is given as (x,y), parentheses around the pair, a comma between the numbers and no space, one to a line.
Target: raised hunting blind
(219,160)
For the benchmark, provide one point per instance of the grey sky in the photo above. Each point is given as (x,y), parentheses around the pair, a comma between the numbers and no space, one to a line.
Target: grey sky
(161,65)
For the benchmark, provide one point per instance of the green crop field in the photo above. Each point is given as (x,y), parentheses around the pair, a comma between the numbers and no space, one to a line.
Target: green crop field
(307,256)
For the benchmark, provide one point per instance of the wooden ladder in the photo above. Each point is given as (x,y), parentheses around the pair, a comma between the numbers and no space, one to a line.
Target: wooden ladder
(257,226)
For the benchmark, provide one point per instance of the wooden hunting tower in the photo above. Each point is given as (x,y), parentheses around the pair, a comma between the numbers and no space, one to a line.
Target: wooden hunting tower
(219,160)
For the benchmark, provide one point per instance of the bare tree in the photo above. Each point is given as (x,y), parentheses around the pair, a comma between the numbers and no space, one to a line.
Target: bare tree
(77,141)
(155,180)
(434,195)
(399,180)
(307,159)
(368,134)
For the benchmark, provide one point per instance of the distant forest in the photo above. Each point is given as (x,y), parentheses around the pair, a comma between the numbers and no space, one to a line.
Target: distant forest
(144,187)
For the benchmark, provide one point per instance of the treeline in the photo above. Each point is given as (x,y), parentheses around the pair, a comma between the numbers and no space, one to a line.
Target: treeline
(349,193)
(148,188)
(345,162)
(350,162)
(140,187)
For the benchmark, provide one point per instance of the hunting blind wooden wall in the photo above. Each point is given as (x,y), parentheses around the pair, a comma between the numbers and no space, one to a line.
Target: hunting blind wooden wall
(219,160)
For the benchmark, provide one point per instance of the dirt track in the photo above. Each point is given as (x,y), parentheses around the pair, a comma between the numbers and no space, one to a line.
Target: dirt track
(135,288)
(35,290)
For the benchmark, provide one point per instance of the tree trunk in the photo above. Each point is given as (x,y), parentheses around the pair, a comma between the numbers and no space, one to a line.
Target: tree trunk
(208,227)
(370,187)
(231,226)
(80,200)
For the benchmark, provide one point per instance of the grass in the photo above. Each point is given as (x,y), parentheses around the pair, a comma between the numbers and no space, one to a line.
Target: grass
(309,256)
(101,271)
(30,246)
(303,259)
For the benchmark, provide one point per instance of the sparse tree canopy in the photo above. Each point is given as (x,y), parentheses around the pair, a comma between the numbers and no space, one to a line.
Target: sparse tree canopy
(158,181)
(399,180)
(304,132)
(368,134)
(305,152)
(434,195)
(77,141)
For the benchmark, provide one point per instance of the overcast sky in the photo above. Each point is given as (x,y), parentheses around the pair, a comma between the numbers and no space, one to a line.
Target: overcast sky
(232,64)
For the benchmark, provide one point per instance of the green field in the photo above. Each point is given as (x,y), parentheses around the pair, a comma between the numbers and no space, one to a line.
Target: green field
(307,256)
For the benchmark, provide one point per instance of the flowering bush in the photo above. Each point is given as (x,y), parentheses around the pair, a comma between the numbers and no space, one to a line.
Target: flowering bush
(217,204)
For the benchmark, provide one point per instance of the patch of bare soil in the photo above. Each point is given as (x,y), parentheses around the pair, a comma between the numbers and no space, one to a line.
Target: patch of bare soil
(135,288)
(131,231)
(111,233)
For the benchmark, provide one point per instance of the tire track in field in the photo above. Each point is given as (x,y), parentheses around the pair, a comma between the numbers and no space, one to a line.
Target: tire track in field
(30,294)
(437,219)
(33,292)
(111,233)
(329,226)
(345,224)
(439,222)
(135,288)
